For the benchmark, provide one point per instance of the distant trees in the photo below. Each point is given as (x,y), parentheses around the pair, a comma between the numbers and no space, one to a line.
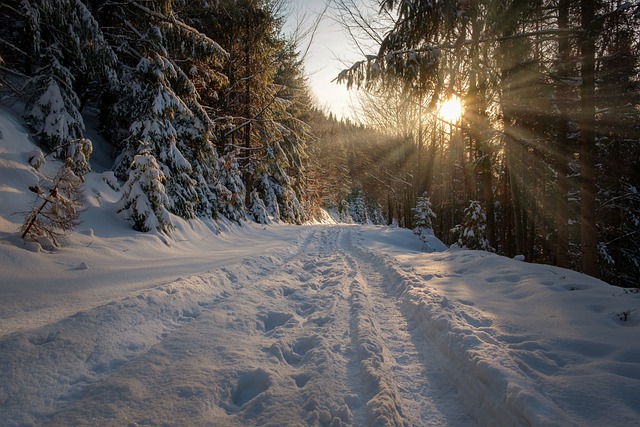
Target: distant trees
(544,125)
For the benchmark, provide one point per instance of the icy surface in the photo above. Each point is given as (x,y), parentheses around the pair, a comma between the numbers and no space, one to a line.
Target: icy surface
(321,324)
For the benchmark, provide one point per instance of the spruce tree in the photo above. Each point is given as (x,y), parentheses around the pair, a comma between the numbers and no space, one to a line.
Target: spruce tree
(159,111)
(472,233)
(72,61)
(144,198)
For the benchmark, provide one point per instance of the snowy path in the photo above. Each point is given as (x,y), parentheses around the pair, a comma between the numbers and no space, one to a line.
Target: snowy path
(309,336)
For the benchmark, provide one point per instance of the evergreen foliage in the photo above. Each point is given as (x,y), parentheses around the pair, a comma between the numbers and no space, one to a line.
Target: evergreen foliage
(257,209)
(343,212)
(144,198)
(230,188)
(358,208)
(472,233)
(423,216)
(70,54)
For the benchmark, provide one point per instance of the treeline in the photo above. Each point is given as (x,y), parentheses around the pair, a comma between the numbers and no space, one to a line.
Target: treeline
(204,103)
(549,142)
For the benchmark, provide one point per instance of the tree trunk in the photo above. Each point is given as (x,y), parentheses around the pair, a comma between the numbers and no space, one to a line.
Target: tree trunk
(588,233)
(247,128)
(562,201)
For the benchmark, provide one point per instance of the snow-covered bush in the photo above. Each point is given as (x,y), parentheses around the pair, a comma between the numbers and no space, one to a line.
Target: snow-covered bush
(55,211)
(472,233)
(36,158)
(144,199)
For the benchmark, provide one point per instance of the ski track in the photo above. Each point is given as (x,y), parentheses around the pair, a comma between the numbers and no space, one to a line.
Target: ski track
(314,335)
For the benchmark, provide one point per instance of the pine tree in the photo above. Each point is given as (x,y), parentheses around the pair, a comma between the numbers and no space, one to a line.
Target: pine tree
(70,55)
(257,209)
(423,215)
(230,188)
(423,218)
(53,112)
(472,233)
(357,207)
(144,198)
(159,109)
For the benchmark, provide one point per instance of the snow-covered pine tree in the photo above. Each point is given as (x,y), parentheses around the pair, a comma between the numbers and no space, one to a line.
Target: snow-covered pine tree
(374,213)
(230,187)
(472,234)
(160,107)
(198,61)
(275,187)
(154,105)
(70,54)
(357,207)
(257,209)
(52,111)
(144,198)
(423,218)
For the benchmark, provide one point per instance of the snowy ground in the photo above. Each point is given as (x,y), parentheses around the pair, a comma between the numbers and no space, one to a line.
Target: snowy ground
(316,325)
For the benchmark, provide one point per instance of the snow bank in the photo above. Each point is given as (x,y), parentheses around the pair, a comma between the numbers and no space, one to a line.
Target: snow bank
(53,364)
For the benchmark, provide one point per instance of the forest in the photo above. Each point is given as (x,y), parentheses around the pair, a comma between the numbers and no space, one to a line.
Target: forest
(207,113)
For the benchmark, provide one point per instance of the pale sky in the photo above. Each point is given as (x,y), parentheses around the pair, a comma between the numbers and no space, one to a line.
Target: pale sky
(330,47)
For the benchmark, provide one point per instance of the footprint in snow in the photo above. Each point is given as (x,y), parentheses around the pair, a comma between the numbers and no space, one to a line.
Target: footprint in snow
(250,385)
(272,320)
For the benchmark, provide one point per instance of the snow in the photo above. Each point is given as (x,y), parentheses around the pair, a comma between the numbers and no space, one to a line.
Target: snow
(322,324)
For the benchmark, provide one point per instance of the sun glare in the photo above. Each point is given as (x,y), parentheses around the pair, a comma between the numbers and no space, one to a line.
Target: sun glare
(451,109)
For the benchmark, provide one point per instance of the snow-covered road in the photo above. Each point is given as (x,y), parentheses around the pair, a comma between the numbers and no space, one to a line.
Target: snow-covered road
(310,336)
(315,325)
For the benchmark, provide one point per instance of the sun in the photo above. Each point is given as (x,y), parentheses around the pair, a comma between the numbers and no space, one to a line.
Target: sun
(451,109)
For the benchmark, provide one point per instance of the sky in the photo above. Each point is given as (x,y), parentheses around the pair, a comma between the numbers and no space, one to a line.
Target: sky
(328,53)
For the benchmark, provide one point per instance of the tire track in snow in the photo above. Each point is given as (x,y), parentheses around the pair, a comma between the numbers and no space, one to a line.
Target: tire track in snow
(408,379)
